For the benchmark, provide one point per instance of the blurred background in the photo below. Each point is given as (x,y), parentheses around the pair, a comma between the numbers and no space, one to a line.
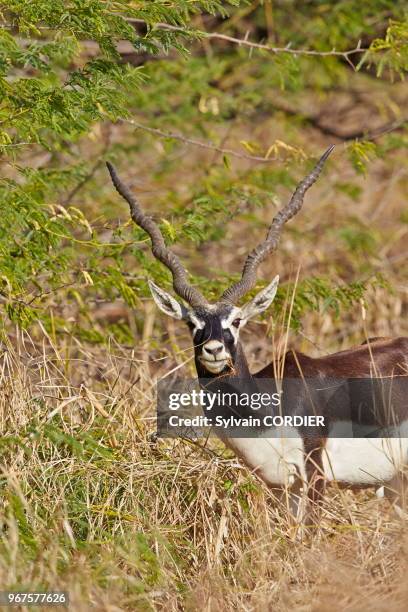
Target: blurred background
(212,133)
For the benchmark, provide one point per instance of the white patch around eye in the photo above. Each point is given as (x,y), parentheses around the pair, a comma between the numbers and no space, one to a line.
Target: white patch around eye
(227,322)
(235,332)
(198,323)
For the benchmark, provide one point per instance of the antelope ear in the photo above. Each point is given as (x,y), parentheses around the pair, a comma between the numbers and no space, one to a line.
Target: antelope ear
(261,301)
(166,302)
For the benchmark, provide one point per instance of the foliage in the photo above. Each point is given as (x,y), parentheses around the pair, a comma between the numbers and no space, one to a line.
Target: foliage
(69,92)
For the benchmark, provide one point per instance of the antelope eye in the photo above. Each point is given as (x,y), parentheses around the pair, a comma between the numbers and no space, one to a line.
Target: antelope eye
(236,322)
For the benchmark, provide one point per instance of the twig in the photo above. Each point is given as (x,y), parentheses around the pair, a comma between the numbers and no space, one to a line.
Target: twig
(82,183)
(373,135)
(107,139)
(18,144)
(247,43)
(197,143)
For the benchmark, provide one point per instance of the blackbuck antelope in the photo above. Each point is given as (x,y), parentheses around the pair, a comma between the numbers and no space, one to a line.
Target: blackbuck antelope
(292,457)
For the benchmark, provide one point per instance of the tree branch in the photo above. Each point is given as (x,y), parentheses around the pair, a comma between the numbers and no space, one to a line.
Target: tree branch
(358,135)
(244,42)
(197,143)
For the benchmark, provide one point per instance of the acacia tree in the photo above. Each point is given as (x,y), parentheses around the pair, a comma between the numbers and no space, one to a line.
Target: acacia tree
(88,80)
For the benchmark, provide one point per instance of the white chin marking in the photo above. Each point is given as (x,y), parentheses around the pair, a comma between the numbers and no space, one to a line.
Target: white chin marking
(214,366)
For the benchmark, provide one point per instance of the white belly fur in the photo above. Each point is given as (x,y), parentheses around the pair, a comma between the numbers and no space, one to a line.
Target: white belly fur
(275,458)
(279,460)
(365,461)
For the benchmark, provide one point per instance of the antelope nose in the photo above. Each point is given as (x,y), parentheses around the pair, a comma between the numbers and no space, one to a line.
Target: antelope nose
(213,347)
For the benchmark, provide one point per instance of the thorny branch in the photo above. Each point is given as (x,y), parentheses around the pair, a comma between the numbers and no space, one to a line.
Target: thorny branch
(244,42)
(196,143)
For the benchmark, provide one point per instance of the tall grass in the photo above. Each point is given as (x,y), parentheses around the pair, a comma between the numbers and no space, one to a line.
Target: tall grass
(91,503)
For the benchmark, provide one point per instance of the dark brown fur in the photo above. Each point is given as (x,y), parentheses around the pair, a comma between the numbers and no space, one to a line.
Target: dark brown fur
(376,357)
(386,357)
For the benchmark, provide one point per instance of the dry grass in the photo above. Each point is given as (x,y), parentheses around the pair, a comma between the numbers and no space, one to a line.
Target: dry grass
(91,504)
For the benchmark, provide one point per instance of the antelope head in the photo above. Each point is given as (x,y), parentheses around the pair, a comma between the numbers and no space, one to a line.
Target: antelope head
(215,327)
